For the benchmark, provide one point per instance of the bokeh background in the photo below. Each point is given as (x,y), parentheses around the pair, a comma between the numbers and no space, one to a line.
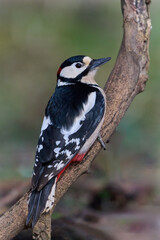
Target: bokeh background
(35,38)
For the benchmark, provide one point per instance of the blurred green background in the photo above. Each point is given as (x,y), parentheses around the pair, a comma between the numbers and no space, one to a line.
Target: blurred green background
(35,38)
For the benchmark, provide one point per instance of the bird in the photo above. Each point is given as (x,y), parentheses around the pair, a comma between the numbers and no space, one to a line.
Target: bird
(72,122)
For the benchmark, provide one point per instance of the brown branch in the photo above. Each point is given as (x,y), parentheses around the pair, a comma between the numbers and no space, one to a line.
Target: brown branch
(14,193)
(126,80)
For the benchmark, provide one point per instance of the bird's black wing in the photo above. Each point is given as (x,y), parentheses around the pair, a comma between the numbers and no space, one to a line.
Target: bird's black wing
(57,146)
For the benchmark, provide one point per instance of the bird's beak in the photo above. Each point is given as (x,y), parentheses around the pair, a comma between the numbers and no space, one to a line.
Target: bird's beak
(98,62)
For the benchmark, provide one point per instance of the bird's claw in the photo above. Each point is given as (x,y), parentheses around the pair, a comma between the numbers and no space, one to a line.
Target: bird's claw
(101,142)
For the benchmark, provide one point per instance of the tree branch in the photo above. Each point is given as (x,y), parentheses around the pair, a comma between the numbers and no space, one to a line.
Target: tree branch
(126,80)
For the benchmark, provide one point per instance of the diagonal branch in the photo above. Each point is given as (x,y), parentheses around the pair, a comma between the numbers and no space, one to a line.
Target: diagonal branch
(126,80)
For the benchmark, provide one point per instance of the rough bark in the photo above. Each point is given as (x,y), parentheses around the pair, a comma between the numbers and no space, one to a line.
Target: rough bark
(126,80)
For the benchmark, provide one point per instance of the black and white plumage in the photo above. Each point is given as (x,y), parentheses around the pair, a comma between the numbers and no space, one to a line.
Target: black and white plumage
(72,121)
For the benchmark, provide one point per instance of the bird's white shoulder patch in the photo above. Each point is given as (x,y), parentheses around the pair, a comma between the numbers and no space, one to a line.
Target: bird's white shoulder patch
(46,122)
(90,103)
(79,119)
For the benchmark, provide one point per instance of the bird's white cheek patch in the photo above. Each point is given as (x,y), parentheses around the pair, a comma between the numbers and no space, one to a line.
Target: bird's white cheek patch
(71,71)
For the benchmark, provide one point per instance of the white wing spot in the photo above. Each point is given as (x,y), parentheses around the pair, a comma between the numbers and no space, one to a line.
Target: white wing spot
(58,142)
(42,139)
(73,140)
(50,166)
(50,176)
(57,151)
(35,165)
(40,147)
(59,165)
(68,153)
(77,147)
(46,175)
(71,71)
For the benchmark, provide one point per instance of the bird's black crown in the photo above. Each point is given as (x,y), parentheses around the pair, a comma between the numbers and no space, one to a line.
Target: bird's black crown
(71,60)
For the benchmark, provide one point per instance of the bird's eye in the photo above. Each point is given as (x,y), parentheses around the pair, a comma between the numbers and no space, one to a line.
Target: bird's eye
(78,65)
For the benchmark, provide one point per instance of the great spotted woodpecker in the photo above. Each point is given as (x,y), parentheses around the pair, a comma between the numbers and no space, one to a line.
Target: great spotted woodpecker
(72,122)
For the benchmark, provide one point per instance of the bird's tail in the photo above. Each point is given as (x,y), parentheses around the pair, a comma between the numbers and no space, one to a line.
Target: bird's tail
(41,201)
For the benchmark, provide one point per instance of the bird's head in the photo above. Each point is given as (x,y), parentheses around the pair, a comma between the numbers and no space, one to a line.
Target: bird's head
(79,69)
